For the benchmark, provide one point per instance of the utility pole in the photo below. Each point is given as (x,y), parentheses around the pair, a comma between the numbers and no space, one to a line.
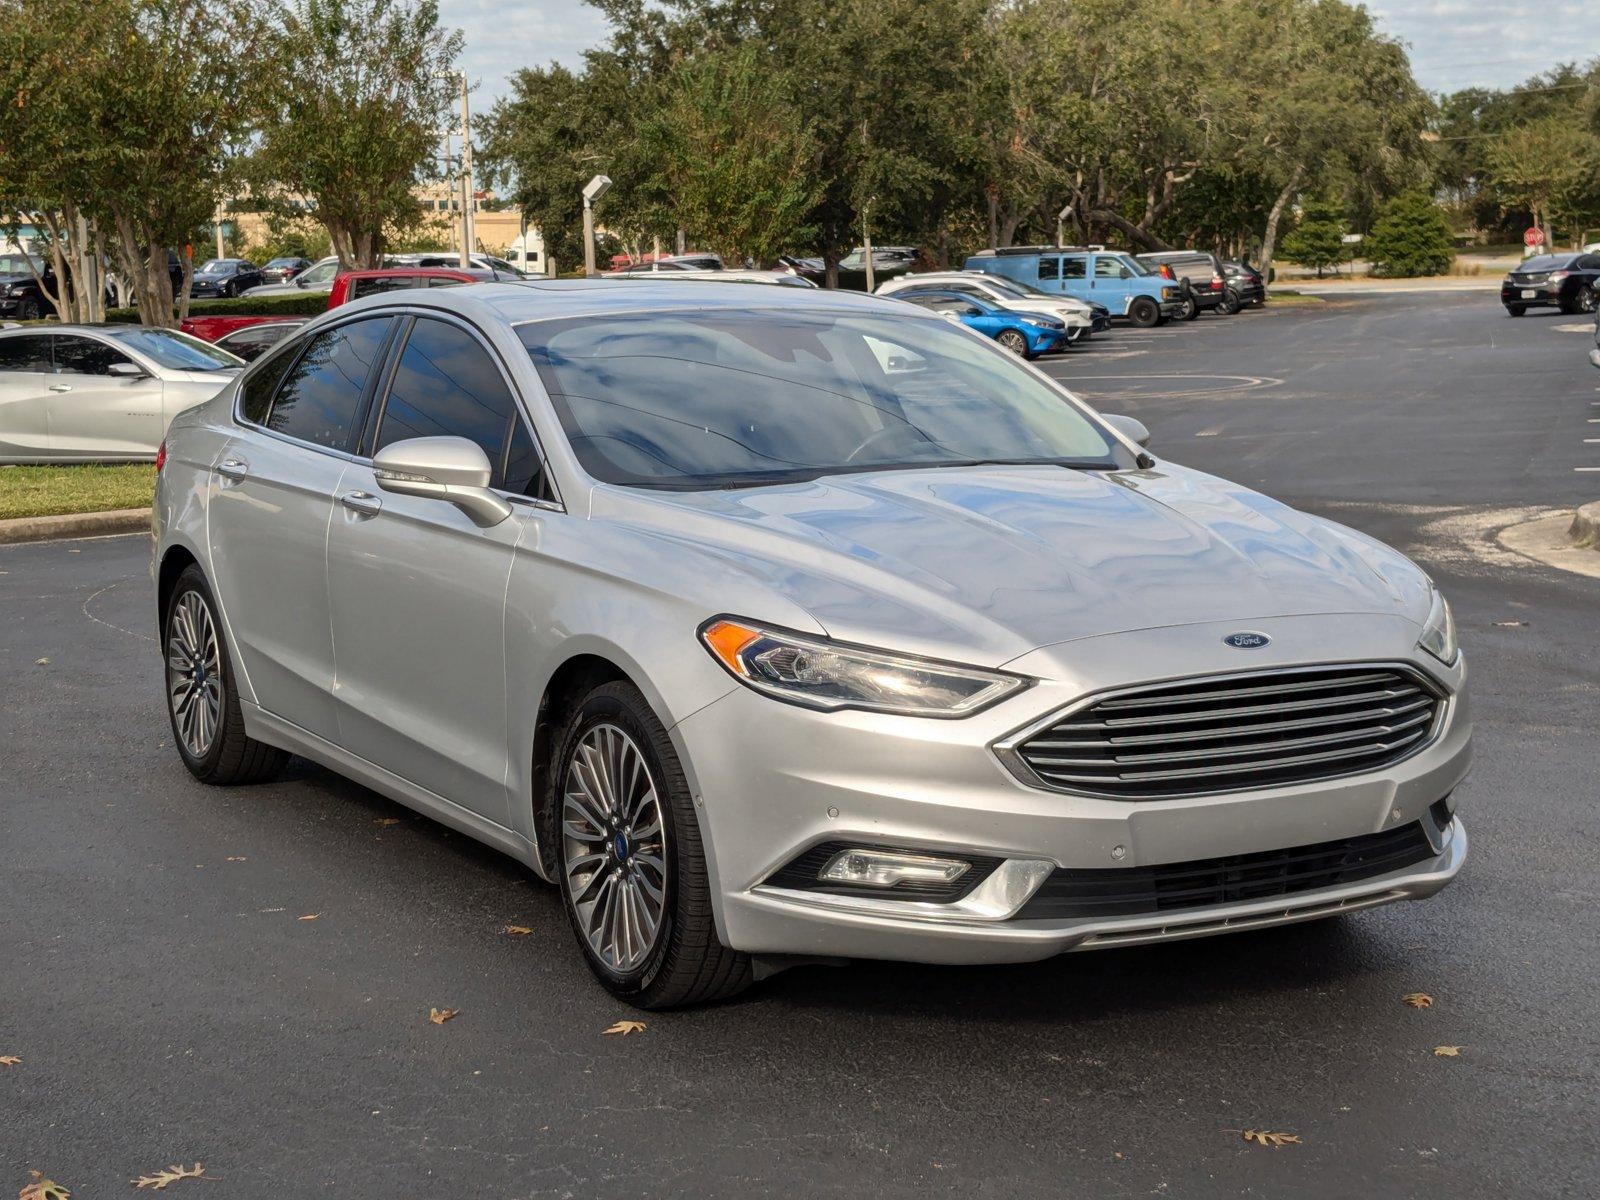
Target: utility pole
(866,239)
(467,239)
(216,223)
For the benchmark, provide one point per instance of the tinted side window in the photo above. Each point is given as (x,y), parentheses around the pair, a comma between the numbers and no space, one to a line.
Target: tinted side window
(250,344)
(1049,268)
(1072,268)
(25,353)
(84,356)
(446,384)
(386,283)
(1107,268)
(255,393)
(524,471)
(321,393)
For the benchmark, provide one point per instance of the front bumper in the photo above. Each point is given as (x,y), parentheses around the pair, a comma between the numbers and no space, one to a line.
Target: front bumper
(772,781)
(1594,357)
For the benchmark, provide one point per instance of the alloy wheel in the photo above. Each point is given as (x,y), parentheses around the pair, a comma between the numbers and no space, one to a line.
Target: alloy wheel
(1013,341)
(614,843)
(1586,300)
(194,674)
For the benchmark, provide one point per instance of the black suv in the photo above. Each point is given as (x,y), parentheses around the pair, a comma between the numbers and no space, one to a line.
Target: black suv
(1245,282)
(1570,282)
(1204,284)
(224,277)
(20,297)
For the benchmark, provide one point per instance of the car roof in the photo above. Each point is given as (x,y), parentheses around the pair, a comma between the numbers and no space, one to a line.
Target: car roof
(424,272)
(515,302)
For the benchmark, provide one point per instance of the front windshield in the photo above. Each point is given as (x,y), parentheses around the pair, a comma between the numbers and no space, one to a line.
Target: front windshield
(321,273)
(698,399)
(175,351)
(17,264)
(1135,265)
(216,264)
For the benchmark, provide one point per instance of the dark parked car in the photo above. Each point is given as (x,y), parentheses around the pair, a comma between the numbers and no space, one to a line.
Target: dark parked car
(20,296)
(281,270)
(1247,283)
(224,277)
(1570,282)
(1205,285)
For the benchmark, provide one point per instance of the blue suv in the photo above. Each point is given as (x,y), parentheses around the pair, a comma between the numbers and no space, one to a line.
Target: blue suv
(1027,334)
(1119,281)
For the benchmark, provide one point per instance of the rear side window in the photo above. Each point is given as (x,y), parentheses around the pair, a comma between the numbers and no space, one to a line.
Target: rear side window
(1049,268)
(322,392)
(28,353)
(255,393)
(1073,268)
(446,384)
(384,283)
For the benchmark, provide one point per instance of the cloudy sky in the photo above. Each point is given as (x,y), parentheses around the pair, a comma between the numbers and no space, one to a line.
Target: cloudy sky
(1453,43)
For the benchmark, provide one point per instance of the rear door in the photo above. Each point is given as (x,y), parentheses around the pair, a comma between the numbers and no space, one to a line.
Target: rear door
(1075,277)
(95,414)
(271,497)
(24,404)
(417,590)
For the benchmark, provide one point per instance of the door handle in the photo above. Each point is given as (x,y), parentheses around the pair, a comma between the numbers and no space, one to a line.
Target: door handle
(60,387)
(364,503)
(233,468)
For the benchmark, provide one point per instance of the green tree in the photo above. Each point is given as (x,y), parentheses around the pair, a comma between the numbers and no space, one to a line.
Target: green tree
(1411,237)
(736,159)
(348,133)
(1317,240)
(1551,167)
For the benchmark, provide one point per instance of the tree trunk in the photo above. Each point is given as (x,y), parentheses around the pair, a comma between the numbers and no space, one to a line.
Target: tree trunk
(1269,241)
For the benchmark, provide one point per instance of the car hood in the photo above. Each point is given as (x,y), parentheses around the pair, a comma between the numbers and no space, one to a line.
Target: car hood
(987,563)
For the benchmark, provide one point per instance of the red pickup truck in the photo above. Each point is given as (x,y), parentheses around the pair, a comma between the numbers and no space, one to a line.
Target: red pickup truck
(353,285)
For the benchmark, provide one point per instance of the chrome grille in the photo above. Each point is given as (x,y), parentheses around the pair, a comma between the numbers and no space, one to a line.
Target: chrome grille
(1236,732)
(1530,278)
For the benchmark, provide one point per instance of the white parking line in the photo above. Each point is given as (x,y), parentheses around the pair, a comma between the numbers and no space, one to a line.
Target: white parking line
(1586,468)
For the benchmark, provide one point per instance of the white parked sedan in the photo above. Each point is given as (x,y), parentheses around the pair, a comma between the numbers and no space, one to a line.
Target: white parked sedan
(99,393)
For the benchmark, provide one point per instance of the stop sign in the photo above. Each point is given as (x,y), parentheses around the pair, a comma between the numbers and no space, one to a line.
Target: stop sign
(1533,236)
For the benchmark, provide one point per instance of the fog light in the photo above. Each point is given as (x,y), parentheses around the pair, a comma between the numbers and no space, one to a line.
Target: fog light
(889,868)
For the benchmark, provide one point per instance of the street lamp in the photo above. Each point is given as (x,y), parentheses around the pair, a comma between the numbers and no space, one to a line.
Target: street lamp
(592,191)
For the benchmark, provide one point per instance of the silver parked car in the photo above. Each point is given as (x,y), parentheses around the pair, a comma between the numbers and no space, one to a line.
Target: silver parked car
(99,393)
(775,624)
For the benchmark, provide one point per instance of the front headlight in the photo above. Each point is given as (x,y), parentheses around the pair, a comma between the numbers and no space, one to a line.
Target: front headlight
(828,675)
(1439,631)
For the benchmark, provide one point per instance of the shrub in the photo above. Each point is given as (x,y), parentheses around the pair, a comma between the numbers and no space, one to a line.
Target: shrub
(305,304)
(1317,241)
(1411,237)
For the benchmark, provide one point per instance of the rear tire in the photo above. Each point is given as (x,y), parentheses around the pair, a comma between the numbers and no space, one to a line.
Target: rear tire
(1014,342)
(202,701)
(681,961)
(1144,312)
(1230,302)
(1516,310)
(1587,300)
(28,309)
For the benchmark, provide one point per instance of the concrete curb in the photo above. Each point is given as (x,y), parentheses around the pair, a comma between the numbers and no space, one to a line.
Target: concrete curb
(74,525)
(1585,528)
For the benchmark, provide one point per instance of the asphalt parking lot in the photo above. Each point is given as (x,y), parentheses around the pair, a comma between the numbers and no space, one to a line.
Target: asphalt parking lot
(243,977)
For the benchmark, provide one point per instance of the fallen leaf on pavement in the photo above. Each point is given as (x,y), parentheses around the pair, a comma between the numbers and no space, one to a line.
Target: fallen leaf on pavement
(1417,1000)
(309,917)
(9,1060)
(43,1189)
(172,1174)
(626,1027)
(440,1015)
(518,930)
(1265,1137)
(387,821)
(41,662)
(1447,1051)
(1510,624)
(236,858)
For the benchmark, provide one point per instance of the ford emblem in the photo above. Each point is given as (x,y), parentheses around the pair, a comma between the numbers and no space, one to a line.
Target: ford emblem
(1245,640)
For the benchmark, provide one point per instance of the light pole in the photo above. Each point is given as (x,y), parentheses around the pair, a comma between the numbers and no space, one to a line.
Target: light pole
(592,191)
(467,238)
(866,239)
(1061,225)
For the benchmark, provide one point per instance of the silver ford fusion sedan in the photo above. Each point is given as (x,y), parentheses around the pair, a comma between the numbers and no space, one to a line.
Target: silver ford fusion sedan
(796,625)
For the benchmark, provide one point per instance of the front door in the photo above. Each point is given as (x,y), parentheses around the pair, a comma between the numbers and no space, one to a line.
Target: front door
(418,591)
(95,414)
(272,498)
(24,407)
(1111,283)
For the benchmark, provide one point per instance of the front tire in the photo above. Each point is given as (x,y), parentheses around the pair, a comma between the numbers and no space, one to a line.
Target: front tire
(202,701)
(28,309)
(632,866)
(1013,341)
(1190,309)
(1144,312)
(1230,302)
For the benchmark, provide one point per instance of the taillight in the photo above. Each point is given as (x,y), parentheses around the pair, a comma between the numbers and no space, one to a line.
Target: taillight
(1216,283)
(161,456)
(1166,272)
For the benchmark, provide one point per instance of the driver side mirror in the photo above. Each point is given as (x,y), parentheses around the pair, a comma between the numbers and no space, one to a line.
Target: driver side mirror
(442,468)
(126,370)
(1129,427)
